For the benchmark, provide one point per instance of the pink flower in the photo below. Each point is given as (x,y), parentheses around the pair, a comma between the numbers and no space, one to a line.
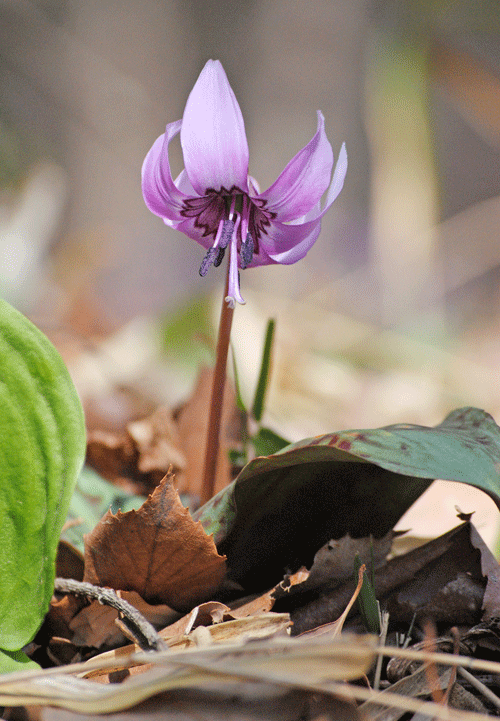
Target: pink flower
(215,202)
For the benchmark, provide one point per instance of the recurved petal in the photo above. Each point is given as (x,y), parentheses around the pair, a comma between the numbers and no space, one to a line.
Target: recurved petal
(161,195)
(304,180)
(213,136)
(338,179)
(333,191)
(287,244)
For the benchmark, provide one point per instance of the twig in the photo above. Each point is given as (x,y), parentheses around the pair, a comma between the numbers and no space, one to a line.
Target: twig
(142,631)
(479,686)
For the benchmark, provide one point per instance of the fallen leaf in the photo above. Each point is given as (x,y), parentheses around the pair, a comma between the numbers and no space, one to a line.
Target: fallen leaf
(450,589)
(95,624)
(261,604)
(112,454)
(283,661)
(157,441)
(441,579)
(69,561)
(185,634)
(158,551)
(491,571)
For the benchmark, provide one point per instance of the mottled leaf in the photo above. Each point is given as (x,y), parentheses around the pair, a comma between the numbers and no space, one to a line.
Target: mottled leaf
(157,550)
(282,508)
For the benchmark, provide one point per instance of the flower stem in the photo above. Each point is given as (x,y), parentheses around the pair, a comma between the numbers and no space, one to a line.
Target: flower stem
(215,415)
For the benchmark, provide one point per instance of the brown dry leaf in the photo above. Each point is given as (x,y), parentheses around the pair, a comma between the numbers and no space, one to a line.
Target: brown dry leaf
(266,601)
(69,561)
(282,661)
(441,579)
(95,625)
(450,589)
(261,604)
(491,571)
(185,635)
(157,442)
(112,454)
(192,424)
(157,550)
(157,614)
(61,614)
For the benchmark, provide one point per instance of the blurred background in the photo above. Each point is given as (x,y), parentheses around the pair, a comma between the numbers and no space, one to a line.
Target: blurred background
(393,316)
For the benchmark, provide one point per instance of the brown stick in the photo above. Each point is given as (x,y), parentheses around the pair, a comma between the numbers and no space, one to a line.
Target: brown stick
(215,415)
(141,630)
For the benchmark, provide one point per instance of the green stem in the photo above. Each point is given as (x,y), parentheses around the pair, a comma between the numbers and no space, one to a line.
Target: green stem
(215,415)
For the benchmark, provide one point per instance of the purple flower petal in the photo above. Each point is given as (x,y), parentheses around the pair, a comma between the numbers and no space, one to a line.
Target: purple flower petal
(188,227)
(287,244)
(304,180)
(213,136)
(161,195)
(338,179)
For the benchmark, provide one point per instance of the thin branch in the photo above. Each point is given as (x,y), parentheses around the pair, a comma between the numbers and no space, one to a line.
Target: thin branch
(142,631)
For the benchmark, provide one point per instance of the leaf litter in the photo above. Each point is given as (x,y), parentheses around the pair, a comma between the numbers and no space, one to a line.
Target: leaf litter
(162,558)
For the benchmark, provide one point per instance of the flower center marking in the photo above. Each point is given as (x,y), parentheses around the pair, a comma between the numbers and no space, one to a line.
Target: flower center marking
(233,218)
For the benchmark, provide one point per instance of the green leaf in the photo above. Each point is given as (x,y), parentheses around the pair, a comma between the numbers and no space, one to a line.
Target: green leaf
(240,403)
(266,442)
(367,601)
(42,445)
(282,508)
(260,392)
(92,498)
(11,661)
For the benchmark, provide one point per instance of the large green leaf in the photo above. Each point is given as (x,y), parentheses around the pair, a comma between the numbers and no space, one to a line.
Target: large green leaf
(11,661)
(283,507)
(42,445)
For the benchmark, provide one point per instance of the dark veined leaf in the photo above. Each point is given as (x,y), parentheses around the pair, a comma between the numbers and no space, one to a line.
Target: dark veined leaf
(282,508)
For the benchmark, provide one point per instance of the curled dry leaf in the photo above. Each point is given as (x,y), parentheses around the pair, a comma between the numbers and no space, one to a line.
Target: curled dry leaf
(158,551)
(283,661)
(236,631)
(157,442)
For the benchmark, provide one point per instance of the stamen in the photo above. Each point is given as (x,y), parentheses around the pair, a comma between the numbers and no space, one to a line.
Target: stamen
(226,234)
(220,257)
(246,252)
(207,261)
